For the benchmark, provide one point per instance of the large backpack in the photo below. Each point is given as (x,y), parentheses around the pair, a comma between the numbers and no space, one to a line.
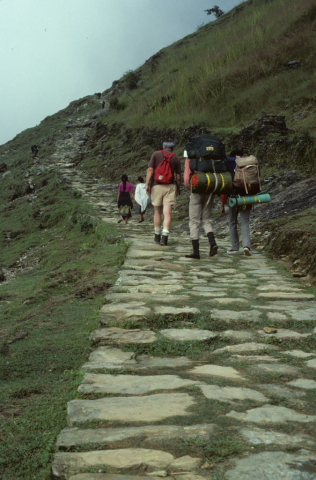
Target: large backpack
(163,173)
(247,175)
(206,154)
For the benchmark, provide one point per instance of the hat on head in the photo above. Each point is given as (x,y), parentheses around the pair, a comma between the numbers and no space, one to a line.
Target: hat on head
(168,143)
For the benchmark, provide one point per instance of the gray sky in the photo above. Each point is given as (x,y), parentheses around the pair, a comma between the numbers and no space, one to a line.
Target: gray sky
(55,51)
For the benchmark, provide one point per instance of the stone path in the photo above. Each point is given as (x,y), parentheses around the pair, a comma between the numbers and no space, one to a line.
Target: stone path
(184,381)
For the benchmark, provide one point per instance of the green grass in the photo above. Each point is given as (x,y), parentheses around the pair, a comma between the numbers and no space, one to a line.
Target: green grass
(61,265)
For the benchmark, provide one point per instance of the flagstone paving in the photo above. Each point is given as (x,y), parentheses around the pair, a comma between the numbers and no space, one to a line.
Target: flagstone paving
(180,343)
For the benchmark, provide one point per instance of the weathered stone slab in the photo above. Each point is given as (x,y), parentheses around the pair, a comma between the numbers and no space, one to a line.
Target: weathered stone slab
(120,312)
(303,383)
(276,316)
(246,347)
(232,316)
(254,358)
(259,436)
(271,414)
(146,273)
(131,384)
(159,289)
(228,282)
(237,335)
(311,363)
(272,287)
(284,334)
(187,334)
(108,357)
(274,465)
(261,271)
(134,253)
(285,295)
(285,392)
(67,463)
(117,297)
(145,361)
(217,371)
(109,476)
(303,315)
(223,271)
(114,335)
(280,368)
(186,311)
(206,289)
(130,281)
(216,294)
(185,464)
(228,301)
(299,354)
(229,394)
(151,408)
(76,436)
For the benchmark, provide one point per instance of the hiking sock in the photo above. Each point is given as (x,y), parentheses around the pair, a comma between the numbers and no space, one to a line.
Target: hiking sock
(196,250)
(212,242)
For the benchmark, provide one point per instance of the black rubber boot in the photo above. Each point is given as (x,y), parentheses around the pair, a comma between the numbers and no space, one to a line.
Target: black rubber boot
(196,250)
(164,241)
(157,238)
(213,246)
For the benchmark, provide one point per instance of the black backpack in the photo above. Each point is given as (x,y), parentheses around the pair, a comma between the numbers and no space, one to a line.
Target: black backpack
(206,154)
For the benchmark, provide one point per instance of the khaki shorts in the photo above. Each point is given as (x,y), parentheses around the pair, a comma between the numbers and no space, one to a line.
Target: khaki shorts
(163,195)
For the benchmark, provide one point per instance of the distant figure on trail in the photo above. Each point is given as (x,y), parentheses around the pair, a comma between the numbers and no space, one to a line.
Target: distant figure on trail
(200,209)
(141,198)
(103,104)
(244,211)
(163,187)
(34,150)
(124,201)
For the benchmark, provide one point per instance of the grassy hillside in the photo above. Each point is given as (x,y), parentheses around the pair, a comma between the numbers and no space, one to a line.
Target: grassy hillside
(229,71)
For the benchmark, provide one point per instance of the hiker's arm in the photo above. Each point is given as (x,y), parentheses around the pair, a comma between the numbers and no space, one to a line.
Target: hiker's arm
(187,172)
(178,180)
(223,203)
(150,172)
(118,194)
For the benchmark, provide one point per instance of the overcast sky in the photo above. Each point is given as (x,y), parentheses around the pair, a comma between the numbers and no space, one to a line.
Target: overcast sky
(55,51)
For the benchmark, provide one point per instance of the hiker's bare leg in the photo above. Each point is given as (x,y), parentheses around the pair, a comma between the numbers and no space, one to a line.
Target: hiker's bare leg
(167,217)
(157,217)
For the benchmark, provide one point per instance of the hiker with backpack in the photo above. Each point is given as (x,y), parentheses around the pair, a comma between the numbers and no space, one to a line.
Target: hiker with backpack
(124,202)
(163,187)
(205,158)
(246,181)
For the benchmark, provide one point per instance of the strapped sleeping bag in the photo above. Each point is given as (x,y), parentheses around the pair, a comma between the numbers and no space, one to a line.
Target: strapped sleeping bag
(201,182)
(206,154)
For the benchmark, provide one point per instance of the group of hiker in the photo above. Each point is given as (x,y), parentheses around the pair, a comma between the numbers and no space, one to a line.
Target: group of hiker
(207,172)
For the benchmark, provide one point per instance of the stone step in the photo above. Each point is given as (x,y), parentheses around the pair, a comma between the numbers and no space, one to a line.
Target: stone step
(150,408)
(132,384)
(70,437)
(139,459)
(114,358)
